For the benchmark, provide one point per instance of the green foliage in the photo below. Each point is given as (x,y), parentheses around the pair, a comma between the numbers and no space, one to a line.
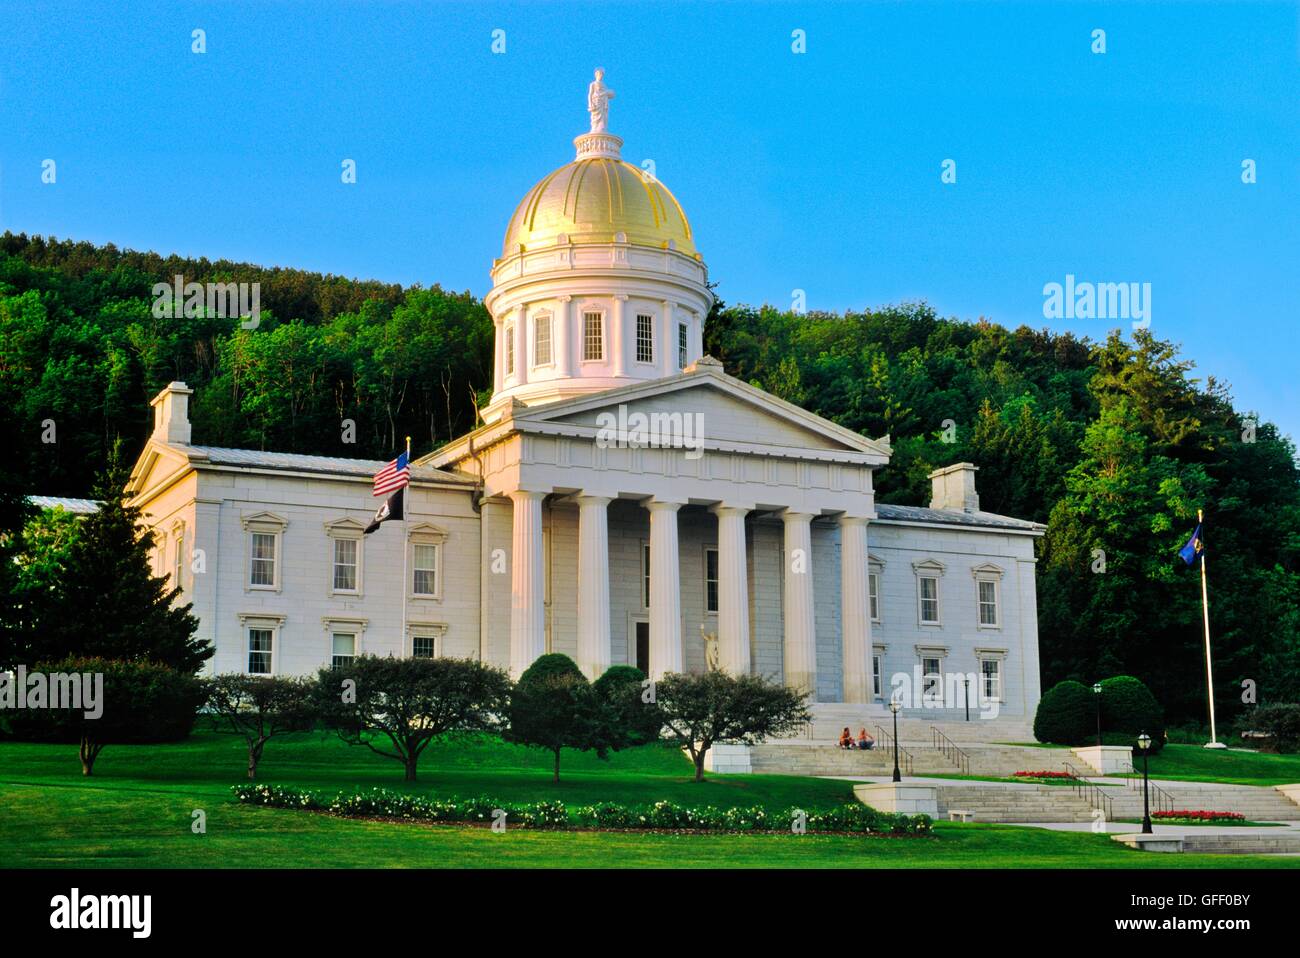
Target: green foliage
(554,707)
(1066,715)
(260,707)
(1129,708)
(409,702)
(88,589)
(631,721)
(704,709)
(1280,721)
(606,816)
(140,702)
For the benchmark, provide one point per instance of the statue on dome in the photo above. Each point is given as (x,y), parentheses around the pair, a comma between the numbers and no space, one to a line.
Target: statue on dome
(598,97)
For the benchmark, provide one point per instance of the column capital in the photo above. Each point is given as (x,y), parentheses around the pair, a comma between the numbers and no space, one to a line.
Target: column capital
(847,520)
(662,505)
(585,498)
(793,515)
(564,297)
(527,495)
(731,508)
(621,297)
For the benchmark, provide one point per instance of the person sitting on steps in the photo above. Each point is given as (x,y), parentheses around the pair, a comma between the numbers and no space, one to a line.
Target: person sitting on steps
(865,741)
(846,738)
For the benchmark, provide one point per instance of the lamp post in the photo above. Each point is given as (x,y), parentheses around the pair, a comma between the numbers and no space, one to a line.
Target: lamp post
(1096,691)
(965,680)
(1144,744)
(894,707)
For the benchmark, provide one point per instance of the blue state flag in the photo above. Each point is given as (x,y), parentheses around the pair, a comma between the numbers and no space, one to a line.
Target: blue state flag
(1193,549)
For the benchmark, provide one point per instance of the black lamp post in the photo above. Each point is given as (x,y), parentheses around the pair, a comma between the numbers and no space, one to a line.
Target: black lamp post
(894,707)
(965,680)
(1096,690)
(1144,744)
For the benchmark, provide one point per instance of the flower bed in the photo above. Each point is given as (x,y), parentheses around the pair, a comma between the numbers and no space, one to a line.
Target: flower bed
(608,816)
(1188,815)
(1044,774)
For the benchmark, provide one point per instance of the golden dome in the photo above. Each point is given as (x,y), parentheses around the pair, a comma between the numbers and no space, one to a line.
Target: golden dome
(591,200)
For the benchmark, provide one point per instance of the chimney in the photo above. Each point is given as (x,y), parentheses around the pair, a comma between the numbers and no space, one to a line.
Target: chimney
(171,414)
(953,487)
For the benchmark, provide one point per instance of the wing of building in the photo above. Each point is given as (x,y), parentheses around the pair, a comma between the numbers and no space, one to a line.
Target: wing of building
(625,501)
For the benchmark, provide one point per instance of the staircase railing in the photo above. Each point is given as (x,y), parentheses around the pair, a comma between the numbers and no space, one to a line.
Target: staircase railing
(1161,800)
(1094,794)
(887,744)
(950,750)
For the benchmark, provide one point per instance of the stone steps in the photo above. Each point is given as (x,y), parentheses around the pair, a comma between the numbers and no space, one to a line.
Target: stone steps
(1014,803)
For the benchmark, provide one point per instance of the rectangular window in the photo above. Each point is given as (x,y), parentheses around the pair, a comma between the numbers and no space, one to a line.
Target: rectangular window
(645,576)
(873,595)
(259,651)
(542,341)
(421,646)
(991,673)
(178,577)
(931,681)
(711,580)
(875,676)
(593,337)
(510,349)
(263,567)
(345,649)
(681,345)
(988,602)
(426,569)
(645,338)
(929,600)
(345,565)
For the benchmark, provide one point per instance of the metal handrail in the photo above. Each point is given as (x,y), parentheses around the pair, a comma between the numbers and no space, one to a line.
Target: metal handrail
(1092,791)
(950,750)
(1161,799)
(904,756)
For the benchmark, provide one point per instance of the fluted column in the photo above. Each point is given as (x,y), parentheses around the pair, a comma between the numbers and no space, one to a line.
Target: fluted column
(521,344)
(593,585)
(733,591)
(527,587)
(665,590)
(800,622)
(855,616)
(561,331)
(618,337)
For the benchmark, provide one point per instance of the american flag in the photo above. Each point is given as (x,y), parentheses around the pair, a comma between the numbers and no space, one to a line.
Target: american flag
(395,475)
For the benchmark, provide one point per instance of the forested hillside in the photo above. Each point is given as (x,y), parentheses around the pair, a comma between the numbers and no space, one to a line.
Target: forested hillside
(1114,444)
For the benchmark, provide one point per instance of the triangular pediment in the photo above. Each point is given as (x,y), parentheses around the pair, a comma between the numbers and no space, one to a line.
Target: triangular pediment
(157,465)
(727,411)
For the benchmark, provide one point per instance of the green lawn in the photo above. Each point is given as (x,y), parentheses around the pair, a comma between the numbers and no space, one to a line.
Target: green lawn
(136,812)
(1192,763)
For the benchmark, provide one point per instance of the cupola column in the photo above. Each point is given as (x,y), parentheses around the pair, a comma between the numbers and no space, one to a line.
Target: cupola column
(562,348)
(668,341)
(521,344)
(617,327)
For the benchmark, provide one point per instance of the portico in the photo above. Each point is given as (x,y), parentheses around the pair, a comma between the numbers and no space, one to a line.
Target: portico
(559,474)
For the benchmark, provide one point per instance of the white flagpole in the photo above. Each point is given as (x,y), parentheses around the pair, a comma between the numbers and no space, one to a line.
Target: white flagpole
(1205,612)
(406,512)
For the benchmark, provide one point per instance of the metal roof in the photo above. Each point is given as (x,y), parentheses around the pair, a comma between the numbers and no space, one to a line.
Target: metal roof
(80,506)
(954,517)
(298,462)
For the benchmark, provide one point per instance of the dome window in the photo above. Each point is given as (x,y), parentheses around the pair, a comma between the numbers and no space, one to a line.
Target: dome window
(593,337)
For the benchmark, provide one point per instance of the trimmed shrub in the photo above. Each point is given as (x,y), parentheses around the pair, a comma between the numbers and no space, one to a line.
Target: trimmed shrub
(630,721)
(1067,715)
(1280,721)
(1128,709)
(553,707)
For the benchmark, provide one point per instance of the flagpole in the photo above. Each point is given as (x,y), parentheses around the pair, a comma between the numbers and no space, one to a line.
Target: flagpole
(1205,613)
(406,511)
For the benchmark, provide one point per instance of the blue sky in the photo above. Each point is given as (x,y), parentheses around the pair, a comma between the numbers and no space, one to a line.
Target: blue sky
(817,171)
